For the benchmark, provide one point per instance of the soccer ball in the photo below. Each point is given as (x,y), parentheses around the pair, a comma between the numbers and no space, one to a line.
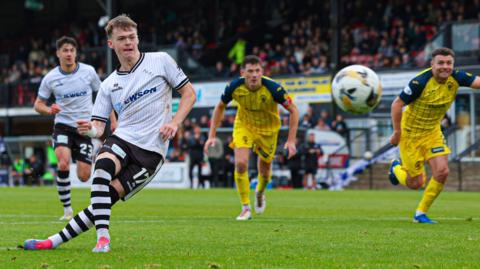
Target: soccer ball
(356,89)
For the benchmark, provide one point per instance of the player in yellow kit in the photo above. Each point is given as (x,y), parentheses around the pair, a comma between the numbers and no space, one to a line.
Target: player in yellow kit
(256,127)
(417,132)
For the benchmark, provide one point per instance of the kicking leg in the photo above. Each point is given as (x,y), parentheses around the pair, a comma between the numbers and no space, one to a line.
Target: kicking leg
(82,222)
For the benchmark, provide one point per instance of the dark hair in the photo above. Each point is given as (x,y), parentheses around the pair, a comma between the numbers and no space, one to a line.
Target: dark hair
(443,51)
(251,59)
(66,40)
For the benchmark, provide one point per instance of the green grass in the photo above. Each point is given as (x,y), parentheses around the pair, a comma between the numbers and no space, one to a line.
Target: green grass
(300,229)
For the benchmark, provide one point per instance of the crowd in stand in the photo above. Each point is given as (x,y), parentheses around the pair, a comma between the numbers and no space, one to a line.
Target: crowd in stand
(374,33)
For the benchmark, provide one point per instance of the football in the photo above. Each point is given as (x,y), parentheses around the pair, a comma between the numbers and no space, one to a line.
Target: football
(356,89)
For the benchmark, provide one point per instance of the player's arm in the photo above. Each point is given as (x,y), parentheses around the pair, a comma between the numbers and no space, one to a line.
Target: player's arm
(216,121)
(187,101)
(476,83)
(93,129)
(41,107)
(218,112)
(292,129)
(396,114)
(113,121)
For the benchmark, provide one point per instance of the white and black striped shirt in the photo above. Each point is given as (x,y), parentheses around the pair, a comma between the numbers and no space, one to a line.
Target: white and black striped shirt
(142,99)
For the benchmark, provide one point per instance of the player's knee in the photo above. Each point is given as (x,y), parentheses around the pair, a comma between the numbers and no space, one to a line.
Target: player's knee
(241,166)
(415,183)
(105,164)
(83,175)
(63,165)
(442,173)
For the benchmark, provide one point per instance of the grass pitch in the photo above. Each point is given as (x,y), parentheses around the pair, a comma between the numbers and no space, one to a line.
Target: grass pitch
(300,229)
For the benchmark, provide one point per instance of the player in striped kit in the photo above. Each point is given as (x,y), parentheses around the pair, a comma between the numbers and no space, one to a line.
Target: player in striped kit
(72,84)
(140,92)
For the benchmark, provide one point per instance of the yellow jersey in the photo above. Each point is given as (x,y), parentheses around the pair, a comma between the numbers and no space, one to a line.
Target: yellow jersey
(257,109)
(428,100)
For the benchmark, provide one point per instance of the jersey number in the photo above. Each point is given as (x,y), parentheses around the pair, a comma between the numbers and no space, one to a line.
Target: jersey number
(86,149)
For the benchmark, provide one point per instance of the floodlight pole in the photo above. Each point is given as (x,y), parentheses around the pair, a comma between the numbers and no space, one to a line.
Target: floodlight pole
(107,8)
(335,23)
(109,51)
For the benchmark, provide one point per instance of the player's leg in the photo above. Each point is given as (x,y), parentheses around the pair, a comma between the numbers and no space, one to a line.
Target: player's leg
(242,181)
(435,186)
(264,176)
(410,171)
(82,222)
(82,152)
(107,166)
(63,154)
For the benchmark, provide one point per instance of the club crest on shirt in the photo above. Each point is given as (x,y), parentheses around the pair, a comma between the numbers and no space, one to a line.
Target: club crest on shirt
(263,97)
(450,85)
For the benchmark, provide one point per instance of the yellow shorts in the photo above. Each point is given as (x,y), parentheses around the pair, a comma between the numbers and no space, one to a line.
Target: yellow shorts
(415,151)
(263,145)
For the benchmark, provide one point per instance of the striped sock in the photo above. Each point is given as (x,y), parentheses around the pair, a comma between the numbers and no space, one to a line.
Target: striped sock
(63,187)
(82,222)
(100,198)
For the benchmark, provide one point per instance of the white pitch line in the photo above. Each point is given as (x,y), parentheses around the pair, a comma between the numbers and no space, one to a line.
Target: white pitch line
(263,220)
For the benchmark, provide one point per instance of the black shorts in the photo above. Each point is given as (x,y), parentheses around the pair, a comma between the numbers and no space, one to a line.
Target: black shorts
(67,136)
(311,170)
(139,166)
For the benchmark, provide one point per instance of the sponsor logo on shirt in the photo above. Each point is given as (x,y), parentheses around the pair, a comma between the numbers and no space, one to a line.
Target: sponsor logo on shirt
(75,94)
(407,90)
(134,97)
(438,149)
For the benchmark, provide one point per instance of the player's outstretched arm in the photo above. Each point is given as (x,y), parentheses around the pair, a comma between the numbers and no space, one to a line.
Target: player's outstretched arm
(187,101)
(396,114)
(41,107)
(292,130)
(476,83)
(216,120)
(93,129)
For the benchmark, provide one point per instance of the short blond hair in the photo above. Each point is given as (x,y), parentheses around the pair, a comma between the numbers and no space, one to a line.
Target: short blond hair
(121,21)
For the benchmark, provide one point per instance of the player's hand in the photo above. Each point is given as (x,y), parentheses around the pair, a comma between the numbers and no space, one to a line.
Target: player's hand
(395,138)
(83,126)
(168,130)
(54,109)
(291,149)
(209,143)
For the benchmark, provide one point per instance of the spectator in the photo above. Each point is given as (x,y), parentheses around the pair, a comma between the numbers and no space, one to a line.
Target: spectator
(195,150)
(321,125)
(220,70)
(312,152)
(215,158)
(340,126)
(34,171)
(295,166)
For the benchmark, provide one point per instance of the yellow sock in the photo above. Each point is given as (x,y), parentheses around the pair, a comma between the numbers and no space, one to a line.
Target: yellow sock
(431,192)
(262,182)
(243,187)
(401,174)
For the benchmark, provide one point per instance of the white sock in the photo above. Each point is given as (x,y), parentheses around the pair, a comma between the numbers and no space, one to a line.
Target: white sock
(68,210)
(103,232)
(246,207)
(418,213)
(56,240)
